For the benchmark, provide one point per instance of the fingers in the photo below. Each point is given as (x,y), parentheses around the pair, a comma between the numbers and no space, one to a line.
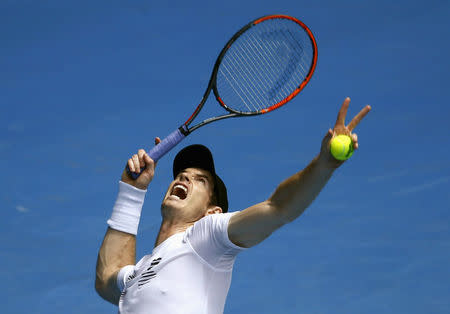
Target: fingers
(137,161)
(131,165)
(141,154)
(142,160)
(357,119)
(354,141)
(149,164)
(340,121)
(147,159)
(134,164)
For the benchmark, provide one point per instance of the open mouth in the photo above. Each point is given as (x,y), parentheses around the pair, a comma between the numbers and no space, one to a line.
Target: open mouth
(179,191)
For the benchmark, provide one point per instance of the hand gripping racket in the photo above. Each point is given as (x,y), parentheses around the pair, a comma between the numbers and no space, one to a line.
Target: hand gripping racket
(262,67)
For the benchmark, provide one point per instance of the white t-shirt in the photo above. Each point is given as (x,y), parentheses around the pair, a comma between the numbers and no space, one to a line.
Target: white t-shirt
(189,273)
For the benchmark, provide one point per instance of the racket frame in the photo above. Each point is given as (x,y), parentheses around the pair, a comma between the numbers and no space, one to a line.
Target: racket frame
(184,130)
(212,81)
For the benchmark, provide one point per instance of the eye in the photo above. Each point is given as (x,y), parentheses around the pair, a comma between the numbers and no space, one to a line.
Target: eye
(201,179)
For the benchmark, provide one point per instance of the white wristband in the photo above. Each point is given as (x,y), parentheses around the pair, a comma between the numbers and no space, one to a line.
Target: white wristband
(127,209)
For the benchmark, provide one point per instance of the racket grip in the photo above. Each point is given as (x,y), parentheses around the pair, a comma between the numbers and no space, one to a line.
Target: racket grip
(167,144)
(162,148)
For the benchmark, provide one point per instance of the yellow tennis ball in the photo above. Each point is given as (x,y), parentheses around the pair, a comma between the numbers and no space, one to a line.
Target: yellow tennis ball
(341,147)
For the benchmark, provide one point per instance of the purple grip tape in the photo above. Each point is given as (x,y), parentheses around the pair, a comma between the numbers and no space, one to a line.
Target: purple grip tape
(166,144)
(161,149)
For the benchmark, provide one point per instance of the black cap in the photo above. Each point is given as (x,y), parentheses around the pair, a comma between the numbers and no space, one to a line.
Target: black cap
(199,156)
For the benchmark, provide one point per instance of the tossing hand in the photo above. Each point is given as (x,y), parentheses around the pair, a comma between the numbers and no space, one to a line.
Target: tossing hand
(339,128)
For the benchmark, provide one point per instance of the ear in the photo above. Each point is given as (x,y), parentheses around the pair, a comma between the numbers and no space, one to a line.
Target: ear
(213,210)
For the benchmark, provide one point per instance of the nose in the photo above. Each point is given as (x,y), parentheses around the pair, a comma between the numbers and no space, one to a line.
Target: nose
(184,177)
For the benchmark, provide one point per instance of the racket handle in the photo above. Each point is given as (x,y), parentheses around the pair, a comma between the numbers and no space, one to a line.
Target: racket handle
(162,148)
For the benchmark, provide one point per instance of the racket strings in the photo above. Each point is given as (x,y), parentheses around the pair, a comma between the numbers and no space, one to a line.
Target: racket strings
(265,65)
(274,63)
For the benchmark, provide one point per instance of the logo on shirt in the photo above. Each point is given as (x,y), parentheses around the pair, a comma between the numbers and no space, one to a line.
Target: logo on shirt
(148,274)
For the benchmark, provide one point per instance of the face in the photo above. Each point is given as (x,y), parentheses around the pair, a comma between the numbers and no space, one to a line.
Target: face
(189,194)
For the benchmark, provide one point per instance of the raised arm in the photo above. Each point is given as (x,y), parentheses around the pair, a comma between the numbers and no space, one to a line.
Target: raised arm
(119,247)
(291,198)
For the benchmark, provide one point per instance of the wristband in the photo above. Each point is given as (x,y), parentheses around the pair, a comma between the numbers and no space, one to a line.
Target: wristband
(127,209)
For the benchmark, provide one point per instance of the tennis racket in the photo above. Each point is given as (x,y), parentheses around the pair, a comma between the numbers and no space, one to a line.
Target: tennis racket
(261,68)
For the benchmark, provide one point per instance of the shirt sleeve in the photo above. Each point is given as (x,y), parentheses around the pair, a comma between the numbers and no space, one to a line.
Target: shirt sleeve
(125,273)
(208,237)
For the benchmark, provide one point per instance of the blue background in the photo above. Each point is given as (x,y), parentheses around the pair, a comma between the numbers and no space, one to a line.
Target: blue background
(84,84)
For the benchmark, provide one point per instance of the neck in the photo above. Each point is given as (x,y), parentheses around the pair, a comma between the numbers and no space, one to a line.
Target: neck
(168,228)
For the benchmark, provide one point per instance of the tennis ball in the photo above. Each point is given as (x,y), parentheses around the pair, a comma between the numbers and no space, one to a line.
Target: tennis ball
(341,147)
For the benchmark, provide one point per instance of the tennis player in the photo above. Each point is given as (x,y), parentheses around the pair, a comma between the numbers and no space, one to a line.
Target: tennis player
(189,270)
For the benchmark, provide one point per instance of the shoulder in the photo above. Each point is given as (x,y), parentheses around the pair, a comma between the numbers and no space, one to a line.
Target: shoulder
(217,218)
(212,229)
(213,222)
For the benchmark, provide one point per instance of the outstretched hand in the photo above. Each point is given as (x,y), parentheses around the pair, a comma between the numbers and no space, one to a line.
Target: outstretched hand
(135,163)
(341,128)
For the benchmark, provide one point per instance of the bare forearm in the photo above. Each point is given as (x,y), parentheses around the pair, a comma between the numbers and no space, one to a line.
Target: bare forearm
(291,198)
(295,194)
(118,250)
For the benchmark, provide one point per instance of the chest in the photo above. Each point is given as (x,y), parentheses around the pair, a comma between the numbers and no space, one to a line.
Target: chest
(173,268)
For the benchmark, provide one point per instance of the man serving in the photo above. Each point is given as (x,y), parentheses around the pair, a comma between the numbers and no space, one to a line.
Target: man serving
(189,270)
